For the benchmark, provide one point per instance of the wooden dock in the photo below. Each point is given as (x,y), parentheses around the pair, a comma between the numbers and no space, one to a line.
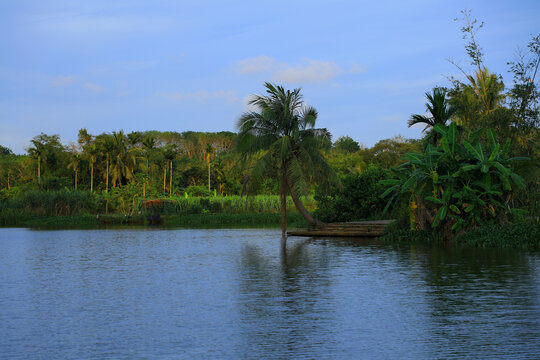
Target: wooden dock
(349,229)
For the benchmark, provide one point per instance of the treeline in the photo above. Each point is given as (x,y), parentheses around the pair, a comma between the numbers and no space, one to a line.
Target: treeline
(155,164)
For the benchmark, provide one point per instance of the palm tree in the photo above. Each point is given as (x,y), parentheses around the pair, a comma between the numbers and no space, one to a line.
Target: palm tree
(92,154)
(38,151)
(209,150)
(169,153)
(74,164)
(122,161)
(148,144)
(439,109)
(107,150)
(283,133)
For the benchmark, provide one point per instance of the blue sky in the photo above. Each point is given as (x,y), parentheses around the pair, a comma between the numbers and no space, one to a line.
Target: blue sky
(191,65)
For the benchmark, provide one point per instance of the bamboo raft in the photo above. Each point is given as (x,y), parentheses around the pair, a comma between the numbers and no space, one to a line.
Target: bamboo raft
(349,229)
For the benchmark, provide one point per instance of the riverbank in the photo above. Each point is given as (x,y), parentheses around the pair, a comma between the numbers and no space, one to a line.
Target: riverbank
(197,221)
(522,235)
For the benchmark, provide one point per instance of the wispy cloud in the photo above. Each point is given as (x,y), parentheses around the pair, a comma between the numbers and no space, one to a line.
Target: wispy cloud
(357,69)
(308,71)
(201,96)
(254,65)
(62,80)
(93,87)
(313,71)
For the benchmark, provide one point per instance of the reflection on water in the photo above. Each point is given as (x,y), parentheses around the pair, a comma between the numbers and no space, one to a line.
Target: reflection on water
(241,294)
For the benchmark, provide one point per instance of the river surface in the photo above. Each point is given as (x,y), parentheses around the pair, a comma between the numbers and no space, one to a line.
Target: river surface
(238,294)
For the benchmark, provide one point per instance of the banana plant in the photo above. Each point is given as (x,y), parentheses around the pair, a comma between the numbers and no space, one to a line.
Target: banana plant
(460,183)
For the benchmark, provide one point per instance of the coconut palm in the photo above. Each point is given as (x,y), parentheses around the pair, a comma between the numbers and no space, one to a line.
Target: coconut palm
(282,132)
(209,151)
(74,165)
(440,112)
(107,147)
(169,154)
(91,154)
(39,152)
(122,161)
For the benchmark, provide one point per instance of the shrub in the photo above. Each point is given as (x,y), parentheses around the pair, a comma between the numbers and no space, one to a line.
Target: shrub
(360,197)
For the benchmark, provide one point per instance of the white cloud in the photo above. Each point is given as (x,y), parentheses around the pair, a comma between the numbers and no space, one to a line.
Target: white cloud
(94,87)
(309,71)
(314,71)
(201,96)
(357,69)
(62,80)
(254,65)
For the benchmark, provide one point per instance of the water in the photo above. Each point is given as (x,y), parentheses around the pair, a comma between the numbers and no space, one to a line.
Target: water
(237,294)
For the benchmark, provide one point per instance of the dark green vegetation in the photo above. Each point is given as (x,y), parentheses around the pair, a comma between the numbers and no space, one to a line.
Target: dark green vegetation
(476,168)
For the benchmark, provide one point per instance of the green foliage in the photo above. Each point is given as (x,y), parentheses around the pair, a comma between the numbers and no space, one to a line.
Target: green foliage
(54,183)
(440,113)
(389,152)
(346,144)
(360,197)
(55,203)
(457,186)
(524,236)
(197,190)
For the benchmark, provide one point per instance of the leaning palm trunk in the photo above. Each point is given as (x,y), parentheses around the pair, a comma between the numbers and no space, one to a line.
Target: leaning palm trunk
(283,198)
(300,207)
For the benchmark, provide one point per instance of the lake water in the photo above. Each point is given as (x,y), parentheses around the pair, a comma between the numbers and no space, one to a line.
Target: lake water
(237,294)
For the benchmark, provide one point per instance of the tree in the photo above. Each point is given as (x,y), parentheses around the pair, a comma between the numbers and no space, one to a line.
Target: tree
(106,144)
(122,160)
(440,112)
(346,144)
(209,151)
(74,165)
(91,154)
(283,133)
(37,151)
(5,151)
(169,153)
(43,147)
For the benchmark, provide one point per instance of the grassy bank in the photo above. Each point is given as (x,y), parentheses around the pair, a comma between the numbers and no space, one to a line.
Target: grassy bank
(209,220)
(523,235)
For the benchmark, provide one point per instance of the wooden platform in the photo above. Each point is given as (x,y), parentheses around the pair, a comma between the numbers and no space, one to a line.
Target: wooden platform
(349,229)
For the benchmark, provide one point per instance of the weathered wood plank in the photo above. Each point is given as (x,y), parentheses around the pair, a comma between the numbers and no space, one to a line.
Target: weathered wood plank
(352,229)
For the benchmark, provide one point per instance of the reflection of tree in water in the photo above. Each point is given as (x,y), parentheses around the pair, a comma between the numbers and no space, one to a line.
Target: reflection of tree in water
(483,301)
(285,299)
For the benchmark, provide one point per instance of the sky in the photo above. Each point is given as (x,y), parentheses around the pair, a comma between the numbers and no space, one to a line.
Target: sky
(192,65)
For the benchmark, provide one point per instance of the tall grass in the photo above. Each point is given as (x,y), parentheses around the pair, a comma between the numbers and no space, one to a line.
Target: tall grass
(231,205)
(55,203)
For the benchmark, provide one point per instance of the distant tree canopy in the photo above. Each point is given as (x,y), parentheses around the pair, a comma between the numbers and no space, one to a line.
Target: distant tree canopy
(5,151)
(346,144)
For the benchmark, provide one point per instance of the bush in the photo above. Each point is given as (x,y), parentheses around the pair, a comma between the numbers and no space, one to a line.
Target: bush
(524,236)
(360,197)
